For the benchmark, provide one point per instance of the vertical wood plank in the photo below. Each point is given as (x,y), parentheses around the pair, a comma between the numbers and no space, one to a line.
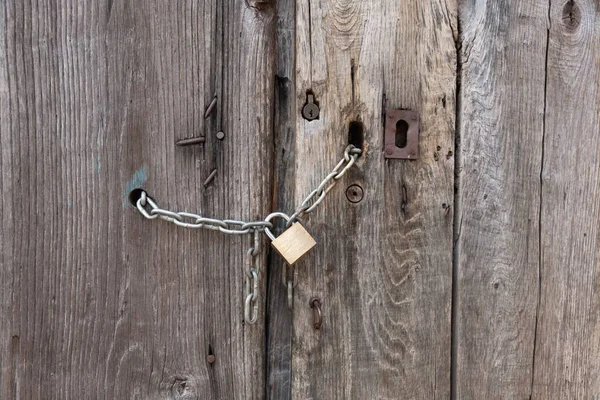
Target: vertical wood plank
(567,360)
(503,54)
(383,266)
(279,341)
(97,301)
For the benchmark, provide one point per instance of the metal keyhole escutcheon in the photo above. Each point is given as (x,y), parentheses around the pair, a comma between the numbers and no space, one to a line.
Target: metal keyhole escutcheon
(311,110)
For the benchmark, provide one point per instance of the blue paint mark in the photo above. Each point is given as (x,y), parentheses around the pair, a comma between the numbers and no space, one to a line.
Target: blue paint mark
(69,203)
(98,163)
(139,178)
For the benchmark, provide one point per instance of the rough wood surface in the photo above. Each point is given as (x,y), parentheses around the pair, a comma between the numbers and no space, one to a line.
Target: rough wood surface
(503,58)
(567,360)
(279,330)
(96,301)
(382,267)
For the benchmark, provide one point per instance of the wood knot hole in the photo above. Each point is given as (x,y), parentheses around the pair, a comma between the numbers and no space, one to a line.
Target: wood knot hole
(571,15)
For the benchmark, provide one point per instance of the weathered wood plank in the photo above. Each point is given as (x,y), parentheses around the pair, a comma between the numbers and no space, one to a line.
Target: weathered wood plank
(279,351)
(567,360)
(497,251)
(383,266)
(95,300)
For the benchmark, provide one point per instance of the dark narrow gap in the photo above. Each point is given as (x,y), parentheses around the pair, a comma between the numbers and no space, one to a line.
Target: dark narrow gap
(277,343)
(539,299)
(457,222)
(269,256)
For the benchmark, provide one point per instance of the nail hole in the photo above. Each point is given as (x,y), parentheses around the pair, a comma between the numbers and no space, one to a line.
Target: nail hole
(356,135)
(135,195)
(401,134)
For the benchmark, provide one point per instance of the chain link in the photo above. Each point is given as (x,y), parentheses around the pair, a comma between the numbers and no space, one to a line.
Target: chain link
(317,196)
(251,271)
(289,282)
(149,209)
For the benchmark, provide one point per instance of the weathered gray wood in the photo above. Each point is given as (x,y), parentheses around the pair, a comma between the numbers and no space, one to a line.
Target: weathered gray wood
(382,267)
(497,255)
(95,300)
(279,346)
(567,360)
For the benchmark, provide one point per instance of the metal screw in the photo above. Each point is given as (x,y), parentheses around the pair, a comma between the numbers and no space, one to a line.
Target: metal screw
(211,358)
(220,135)
(354,193)
(311,110)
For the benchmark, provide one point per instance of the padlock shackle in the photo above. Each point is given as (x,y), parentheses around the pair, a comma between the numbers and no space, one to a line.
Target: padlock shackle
(269,218)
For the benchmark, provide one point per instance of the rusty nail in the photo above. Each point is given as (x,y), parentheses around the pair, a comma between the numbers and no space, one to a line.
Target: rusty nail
(211,358)
(210,107)
(446,208)
(315,304)
(190,141)
(210,177)
(220,135)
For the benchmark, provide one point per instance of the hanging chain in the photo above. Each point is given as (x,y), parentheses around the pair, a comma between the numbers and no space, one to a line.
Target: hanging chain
(149,209)
(288,278)
(317,196)
(251,271)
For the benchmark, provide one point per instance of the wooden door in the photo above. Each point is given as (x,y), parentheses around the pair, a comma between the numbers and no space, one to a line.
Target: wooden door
(470,273)
(96,301)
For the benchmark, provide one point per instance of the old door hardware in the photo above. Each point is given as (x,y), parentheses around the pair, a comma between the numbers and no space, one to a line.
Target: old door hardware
(292,244)
(289,283)
(402,134)
(191,141)
(211,107)
(311,110)
(252,293)
(210,178)
(354,194)
(315,304)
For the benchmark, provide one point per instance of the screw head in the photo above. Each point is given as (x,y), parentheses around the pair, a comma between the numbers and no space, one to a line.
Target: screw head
(211,359)
(220,135)
(354,194)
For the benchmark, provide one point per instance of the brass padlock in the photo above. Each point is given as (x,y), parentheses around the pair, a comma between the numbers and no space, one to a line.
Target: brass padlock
(293,243)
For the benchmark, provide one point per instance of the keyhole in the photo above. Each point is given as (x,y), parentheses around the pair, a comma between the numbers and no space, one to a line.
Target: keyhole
(401,133)
(310,113)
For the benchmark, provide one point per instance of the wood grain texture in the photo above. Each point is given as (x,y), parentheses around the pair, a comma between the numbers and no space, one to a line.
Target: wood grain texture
(95,300)
(501,128)
(567,360)
(279,339)
(383,266)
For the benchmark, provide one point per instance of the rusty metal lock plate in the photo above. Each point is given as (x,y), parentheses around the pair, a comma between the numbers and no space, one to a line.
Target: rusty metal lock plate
(402,134)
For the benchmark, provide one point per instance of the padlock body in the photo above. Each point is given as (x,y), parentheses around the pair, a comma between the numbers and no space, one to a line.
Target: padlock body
(294,243)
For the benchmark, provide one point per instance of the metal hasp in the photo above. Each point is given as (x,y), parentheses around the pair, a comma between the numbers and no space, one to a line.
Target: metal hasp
(402,134)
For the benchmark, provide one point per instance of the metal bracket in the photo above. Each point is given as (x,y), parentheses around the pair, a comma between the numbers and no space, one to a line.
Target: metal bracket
(402,134)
